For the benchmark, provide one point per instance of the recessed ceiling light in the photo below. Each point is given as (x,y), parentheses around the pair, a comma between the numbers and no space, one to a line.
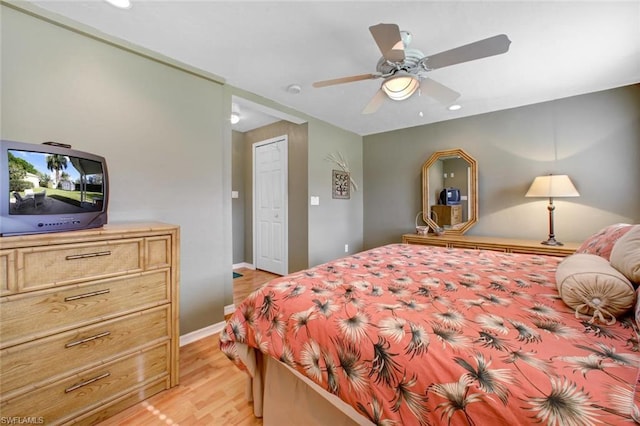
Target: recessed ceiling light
(454,107)
(235,118)
(294,89)
(122,4)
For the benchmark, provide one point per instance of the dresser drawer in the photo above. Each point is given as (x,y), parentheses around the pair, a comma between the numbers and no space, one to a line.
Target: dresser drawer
(114,407)
(87,390)
(558,251)
(7,272)
(65,353)
(61,309)
(48,266)
(456,214)
(158,252)
(415,239)
(477,246)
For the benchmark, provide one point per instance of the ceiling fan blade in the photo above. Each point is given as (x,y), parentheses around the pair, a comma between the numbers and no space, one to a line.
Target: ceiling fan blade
(480,49)
(341,80)
(438,91)
(375,102)
(389,41)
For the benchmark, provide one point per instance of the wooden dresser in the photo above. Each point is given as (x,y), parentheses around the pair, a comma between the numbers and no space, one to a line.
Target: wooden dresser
(447,215)
(88,321)
(491,243)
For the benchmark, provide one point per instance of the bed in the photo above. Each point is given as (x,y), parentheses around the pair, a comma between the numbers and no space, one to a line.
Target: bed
(417,335)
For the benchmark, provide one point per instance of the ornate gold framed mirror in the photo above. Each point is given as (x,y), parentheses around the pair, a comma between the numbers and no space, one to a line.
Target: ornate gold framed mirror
(450,191)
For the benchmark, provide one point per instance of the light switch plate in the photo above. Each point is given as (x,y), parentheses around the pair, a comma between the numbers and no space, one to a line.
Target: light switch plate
(315,200)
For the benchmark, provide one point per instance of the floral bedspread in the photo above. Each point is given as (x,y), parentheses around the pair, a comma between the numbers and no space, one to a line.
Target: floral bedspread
(418,335)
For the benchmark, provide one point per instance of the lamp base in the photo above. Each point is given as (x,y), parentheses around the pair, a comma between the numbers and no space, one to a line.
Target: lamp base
(552,242)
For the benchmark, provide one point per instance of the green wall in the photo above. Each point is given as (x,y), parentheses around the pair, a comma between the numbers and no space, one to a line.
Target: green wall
(594,138)
(160,129)
(334,222)
(171,154)
(239,206)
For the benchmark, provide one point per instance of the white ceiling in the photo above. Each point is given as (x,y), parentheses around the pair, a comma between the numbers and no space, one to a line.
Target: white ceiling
(558,49)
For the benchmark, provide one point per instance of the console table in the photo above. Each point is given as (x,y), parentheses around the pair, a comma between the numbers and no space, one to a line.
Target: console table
(507,245)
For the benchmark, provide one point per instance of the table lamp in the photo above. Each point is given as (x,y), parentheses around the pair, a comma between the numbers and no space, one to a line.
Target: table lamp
(552,186)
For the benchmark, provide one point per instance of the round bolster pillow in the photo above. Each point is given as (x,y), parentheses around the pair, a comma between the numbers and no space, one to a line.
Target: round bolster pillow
(594,288)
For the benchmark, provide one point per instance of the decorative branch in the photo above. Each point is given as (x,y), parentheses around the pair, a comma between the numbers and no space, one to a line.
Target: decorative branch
(341,162)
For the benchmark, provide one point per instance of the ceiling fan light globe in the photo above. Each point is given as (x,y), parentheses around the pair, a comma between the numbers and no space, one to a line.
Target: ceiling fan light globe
(400,86)
(406,38)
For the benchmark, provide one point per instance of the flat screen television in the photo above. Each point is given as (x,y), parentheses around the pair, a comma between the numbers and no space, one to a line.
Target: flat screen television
(50,187)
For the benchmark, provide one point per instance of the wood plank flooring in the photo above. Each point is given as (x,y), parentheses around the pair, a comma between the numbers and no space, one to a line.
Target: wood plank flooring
(249,281)
(211,390)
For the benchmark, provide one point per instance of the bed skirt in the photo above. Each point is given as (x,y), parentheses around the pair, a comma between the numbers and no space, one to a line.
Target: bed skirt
(281,395)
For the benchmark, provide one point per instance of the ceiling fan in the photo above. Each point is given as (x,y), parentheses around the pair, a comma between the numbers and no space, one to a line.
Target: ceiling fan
(405,70)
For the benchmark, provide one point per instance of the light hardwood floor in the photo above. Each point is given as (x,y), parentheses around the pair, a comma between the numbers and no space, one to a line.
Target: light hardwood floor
(211,390)
(249,281)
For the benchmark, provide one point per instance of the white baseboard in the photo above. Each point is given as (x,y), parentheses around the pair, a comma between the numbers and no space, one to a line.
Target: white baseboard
(207,331)
(243,265)
(213,328)
(229,309)
(202,333)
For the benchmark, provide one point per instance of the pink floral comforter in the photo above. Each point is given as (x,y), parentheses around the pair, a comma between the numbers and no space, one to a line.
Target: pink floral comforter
(422,335)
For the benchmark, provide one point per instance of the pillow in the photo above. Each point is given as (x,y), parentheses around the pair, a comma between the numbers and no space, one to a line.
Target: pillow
(601,243)
(625,256)
(594,288)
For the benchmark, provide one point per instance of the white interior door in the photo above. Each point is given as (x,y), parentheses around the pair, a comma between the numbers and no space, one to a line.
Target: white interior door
(270,226)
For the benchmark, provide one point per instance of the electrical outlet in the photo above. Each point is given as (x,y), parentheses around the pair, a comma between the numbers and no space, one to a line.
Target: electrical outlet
(346,248)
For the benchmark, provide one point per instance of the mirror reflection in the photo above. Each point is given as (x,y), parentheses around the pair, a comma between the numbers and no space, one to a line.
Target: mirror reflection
(449,191)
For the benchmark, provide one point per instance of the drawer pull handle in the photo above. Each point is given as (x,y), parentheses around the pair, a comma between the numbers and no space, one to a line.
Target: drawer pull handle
(86,255)
(87,339)
(82,296)
(86,382)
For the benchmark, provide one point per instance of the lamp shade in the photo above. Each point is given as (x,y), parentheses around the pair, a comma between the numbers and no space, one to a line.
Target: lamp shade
(552,186)
(400,86)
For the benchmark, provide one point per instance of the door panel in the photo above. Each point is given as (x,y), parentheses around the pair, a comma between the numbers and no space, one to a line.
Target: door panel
(270,201)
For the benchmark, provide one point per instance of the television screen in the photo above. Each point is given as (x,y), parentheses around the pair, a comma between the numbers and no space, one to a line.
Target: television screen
(50,188)
(45,183)
(450,196)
